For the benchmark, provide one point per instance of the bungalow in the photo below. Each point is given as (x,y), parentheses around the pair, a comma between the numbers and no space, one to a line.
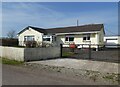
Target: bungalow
(85,34)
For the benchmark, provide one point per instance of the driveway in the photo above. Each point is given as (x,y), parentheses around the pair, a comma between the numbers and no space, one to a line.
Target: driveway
(17,75)
(104,67)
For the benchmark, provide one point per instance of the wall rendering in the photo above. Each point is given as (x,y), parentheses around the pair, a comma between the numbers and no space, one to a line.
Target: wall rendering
(12,53)
(25,54)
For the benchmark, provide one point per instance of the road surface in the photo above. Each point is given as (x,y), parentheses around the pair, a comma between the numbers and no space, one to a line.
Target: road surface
(17,75)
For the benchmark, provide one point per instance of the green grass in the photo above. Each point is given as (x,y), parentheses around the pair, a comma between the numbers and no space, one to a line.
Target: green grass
(10,62)
(67,54)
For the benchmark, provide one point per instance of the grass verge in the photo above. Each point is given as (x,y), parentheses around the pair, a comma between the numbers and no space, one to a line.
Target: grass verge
(67,54)
(10,62)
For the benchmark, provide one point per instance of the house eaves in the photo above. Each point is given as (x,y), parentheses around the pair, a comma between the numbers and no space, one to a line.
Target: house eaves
(77,33)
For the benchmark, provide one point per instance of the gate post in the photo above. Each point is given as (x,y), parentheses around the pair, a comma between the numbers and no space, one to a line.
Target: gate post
(61,46)
(89,51)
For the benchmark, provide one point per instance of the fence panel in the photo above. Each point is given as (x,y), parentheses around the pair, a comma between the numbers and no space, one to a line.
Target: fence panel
(93,52)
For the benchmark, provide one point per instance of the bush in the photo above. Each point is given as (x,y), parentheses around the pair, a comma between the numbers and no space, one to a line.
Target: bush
(30,43)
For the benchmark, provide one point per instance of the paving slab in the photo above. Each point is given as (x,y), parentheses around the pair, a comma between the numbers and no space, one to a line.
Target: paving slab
(106,67)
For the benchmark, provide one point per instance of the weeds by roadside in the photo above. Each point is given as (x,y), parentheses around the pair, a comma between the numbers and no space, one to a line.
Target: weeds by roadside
(112,76)
(10,62)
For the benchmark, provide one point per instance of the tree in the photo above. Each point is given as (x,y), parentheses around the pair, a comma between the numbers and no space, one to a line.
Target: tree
(11,34)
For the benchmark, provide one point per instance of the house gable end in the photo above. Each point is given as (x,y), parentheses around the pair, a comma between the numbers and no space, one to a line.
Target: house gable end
(40,30)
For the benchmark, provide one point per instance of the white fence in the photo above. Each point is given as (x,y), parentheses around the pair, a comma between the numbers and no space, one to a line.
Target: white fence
(25,54)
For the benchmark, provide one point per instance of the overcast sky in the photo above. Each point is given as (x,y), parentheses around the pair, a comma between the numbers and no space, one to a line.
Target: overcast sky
(18,15)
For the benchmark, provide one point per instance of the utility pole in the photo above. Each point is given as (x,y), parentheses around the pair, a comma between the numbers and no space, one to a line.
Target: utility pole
(77,22)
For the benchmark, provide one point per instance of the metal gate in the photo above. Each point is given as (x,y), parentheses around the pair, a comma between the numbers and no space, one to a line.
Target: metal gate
(91,52)
(75,52)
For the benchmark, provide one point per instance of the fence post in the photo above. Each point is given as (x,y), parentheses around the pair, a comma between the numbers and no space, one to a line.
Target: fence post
(61,46)
(97,49)
(89,51)
(82,46)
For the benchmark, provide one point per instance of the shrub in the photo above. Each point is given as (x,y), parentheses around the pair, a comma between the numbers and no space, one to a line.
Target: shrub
(30,43)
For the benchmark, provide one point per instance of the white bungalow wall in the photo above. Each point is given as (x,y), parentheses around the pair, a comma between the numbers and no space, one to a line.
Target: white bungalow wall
(95,38)
(78,39)
(30,32)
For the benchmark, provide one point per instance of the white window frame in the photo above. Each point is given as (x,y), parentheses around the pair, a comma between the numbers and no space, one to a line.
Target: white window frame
(69,38)
(46,36)
(26,38)
(86,36)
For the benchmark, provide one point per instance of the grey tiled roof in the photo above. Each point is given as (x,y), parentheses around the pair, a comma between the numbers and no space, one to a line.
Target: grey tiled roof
(83,28)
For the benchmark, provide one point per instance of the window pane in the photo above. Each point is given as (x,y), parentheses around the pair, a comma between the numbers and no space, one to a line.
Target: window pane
(88,38)
(46,39)
(25,39)
(66,38)
(71,38)
(84,38)
(29,38)
(33,39)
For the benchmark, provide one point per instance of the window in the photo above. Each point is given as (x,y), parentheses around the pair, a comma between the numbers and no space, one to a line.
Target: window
(66,38)
(69,38)
(29,38)
(86,37)
(47,38)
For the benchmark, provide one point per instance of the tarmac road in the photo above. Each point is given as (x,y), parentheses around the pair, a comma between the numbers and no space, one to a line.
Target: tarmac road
(20,75)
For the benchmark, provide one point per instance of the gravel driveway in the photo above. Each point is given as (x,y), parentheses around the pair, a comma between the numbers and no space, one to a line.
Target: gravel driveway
(104,67)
